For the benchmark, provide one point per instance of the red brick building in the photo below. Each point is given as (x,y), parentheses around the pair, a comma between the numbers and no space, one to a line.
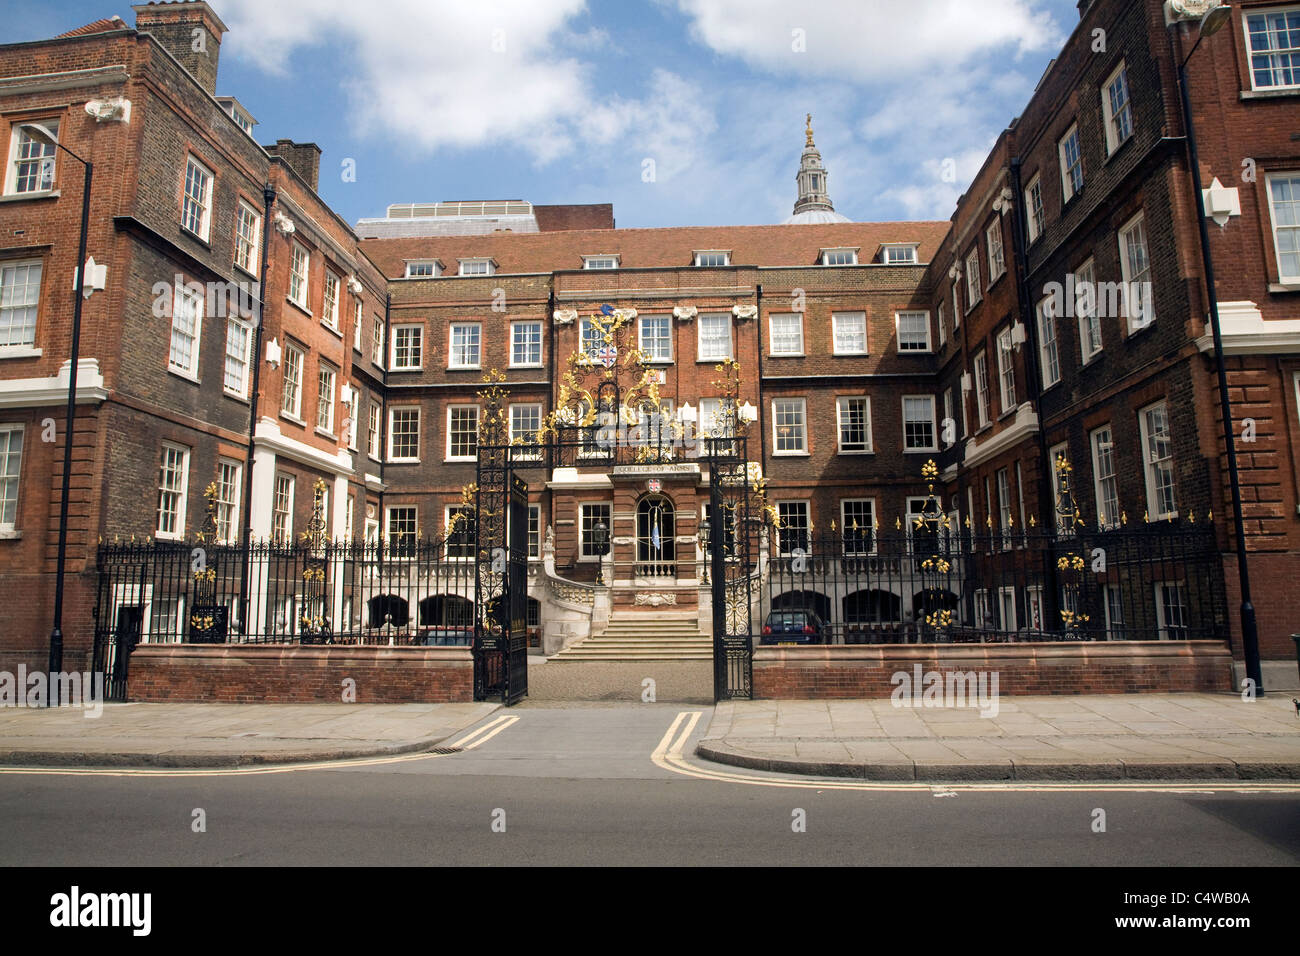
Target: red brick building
(865,348)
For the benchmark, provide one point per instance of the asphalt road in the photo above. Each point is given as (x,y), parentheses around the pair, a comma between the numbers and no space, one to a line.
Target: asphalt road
(614,784)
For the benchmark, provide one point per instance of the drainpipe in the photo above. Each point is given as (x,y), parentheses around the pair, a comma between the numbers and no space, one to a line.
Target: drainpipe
(383,404)
(1046,506)
(1046,503)
(762,429)
(268,199)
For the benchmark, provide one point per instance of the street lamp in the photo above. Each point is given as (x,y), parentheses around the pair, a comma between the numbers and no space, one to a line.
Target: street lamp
(600,537)
(704,544)
(1212,19)
(55,664)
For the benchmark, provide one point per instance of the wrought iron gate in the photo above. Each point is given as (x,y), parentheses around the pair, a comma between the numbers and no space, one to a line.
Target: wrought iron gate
(732,530)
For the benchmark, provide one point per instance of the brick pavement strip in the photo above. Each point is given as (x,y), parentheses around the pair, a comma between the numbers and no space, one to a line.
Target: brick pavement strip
(1152,737)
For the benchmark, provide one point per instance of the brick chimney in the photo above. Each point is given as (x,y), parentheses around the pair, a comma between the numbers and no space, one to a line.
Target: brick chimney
(190,31)
(303,159)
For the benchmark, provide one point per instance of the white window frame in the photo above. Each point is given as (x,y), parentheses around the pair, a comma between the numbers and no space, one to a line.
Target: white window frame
(974,293)
(725,320)
(1164,627)
(48,159)
(842,402)
(941,324)
(1037,218)
(1132,277)
(231,507)
(181,500)
(1286,278)
(1007,608)
(1006,372)
(836,253)
(530,454)
(1149,466)
(1068,189)
(980,364)
(248,239)
(947,414)
(996,250)
(1111,119)
(1005,514)
(246,360)
(1251,53)
(602,261)
(516,343)
(934,426)
(457,353)
(700,254)
(1085,308)
(888,250)
(797,350)
(330,303)
(838,331)
(924,317)
(415,345)
(1049,353)
(203,201)
(374,430)
(1105,486)
(1056,451)
(7,430)
(587,523)
(845,524)
(666,322)
(1035,609)
(393,411)
(299,276)
(296,411)
(802,425)
(396,542)
(26,346)
(956,305)
(326,373)
(469,267)
(414,269)
(806,506)
(377,341)
(478,417)
(185,293)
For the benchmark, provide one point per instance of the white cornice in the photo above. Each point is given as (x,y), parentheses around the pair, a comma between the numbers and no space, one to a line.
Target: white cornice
(37,392)
(1025,424)
(267,435)
(1246,332)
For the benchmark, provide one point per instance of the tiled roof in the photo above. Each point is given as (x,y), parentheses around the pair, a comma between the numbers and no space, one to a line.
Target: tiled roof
(796,245)
(99,26)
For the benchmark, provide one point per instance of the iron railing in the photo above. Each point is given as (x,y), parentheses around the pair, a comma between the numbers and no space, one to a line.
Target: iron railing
(402,591)
(917,585)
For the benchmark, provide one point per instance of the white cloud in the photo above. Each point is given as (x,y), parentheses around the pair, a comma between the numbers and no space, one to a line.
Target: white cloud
(493,73)
(866,40)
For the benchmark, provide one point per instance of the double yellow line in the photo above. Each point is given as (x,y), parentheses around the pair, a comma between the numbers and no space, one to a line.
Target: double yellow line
(468,742)
(668,756)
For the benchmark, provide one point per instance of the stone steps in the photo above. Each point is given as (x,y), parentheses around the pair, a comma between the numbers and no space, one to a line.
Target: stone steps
(649,637)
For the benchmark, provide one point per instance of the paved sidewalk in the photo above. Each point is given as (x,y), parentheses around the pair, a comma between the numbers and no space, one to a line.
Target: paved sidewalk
(225,735)
(1110,737)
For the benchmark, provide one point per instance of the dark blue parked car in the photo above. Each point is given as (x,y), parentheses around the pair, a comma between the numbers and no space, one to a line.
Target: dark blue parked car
(793,627)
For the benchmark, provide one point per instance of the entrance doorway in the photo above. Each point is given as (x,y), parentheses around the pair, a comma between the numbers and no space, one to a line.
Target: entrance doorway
(656,550)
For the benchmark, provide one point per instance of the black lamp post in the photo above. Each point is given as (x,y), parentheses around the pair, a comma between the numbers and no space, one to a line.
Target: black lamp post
(55,663)
(1210,23)
(704,543)
(600,537)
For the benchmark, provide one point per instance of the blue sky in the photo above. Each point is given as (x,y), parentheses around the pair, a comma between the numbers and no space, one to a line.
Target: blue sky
(565,101)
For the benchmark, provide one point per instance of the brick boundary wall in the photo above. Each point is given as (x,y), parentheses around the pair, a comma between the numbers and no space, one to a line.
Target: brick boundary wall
(289,673)
(1088,668)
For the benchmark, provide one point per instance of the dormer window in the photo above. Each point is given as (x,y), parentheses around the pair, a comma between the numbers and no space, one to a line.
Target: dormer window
(600,262)
(477,267)
(839,257)
(714,258)
(900,254)
(421,269)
